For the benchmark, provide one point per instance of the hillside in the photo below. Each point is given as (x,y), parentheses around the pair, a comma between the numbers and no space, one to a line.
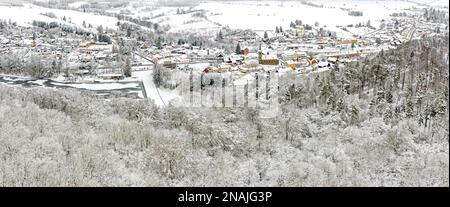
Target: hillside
(382,121)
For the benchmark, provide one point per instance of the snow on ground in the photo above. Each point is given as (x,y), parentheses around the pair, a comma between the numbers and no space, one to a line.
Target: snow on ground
(25,15)
(256,15)
(434,3)
(244,79)
(99,87)
(146,10)
(77,4)
(39,82)
(198,67)
(168,16)
(185,22)
(157,11)
(373,7)
(358,30)
(160,96)
(267,15)
(14,77)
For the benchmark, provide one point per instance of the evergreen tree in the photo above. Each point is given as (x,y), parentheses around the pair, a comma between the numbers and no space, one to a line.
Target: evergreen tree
(292,24)
(220,35)
(354,115)
(158,43)
(238,49)
(266,36)
(127,69)
(128,31)
(157,75)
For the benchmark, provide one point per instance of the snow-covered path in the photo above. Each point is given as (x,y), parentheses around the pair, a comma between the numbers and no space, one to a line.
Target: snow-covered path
(160,96)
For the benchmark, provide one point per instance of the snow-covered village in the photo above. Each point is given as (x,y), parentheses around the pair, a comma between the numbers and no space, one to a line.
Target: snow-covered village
(356,81)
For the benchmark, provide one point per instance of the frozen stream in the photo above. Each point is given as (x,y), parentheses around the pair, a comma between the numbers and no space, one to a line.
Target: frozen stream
(132,89)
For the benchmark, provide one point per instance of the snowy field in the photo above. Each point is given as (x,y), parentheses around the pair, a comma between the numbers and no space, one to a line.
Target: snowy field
(77,4)
(435,3)
(256,15)
(266,15)
(25,15)
(269,14)
(168,16)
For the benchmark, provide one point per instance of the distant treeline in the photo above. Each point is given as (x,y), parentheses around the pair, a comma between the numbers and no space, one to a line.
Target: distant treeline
(70,29)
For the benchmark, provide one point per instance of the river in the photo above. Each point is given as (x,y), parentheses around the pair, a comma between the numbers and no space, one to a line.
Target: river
(130,89)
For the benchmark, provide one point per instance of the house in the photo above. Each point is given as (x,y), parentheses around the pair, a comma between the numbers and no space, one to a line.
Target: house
(304,62)
(100,56)
(17,36)
(293,64)
(85,58)
(332,59)
(251,59)
(111,76)
(268,59)
(299,30)
(349,41)
(313,62)
(323,64)
(169,64)
(101,43)
(234,59)
(298,55)
(245,51)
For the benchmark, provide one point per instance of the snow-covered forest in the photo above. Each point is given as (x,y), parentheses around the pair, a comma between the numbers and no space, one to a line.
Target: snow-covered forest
(382,121)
